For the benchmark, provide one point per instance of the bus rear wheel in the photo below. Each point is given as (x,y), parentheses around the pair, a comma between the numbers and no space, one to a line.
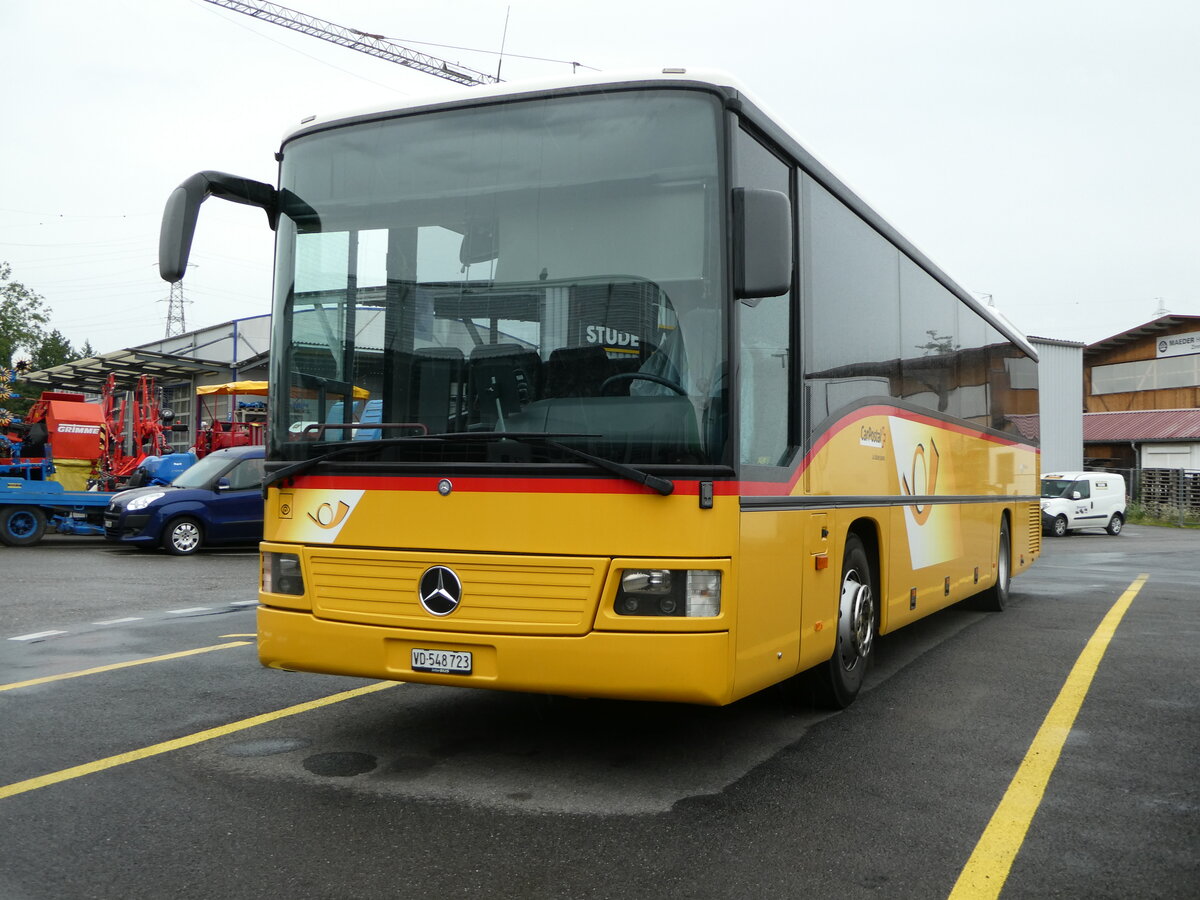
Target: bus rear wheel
(841,678)
(995,598)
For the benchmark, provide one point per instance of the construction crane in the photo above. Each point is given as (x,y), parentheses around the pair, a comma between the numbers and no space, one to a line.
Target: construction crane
(374,44)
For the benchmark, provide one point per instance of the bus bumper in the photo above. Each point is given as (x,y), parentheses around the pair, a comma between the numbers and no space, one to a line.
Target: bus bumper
(683,668)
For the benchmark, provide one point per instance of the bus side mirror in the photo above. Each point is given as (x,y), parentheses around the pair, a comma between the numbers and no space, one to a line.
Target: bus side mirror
(183,208)
(479,244)
(762,243)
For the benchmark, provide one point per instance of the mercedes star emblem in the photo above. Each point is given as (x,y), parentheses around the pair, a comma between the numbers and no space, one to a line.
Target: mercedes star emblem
(440,591)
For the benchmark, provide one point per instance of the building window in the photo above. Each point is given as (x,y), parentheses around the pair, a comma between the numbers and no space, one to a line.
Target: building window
(1147,375)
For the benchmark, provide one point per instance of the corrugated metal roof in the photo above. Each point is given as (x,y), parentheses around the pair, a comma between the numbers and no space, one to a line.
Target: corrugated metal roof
(1156,326)
(1143,425)
(126,365)
(1138,425)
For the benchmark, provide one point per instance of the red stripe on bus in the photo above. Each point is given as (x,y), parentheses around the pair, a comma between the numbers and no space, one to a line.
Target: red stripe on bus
(505,484)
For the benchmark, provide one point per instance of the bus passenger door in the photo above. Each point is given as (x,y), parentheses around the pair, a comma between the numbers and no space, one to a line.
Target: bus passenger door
(771,554)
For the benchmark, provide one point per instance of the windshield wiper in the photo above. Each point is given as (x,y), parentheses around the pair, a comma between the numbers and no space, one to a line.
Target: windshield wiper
(663,486)
(299,468)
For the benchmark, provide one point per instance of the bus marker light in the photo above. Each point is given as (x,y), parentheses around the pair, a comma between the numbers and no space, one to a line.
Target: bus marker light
(703,592)
(822,561)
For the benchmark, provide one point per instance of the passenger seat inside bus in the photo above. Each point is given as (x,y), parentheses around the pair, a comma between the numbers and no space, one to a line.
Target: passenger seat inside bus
(436,387)
(503,379)
(576,371)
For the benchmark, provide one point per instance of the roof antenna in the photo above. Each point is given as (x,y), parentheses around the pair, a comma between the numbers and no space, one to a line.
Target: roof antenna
(503,39)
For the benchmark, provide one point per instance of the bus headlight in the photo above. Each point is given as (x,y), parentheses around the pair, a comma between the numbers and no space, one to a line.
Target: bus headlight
(281,574)
(689,593)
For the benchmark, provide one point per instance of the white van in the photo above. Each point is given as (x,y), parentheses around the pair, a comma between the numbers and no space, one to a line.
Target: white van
(1073,500)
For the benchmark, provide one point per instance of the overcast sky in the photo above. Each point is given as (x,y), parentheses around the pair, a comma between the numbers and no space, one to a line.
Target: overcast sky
(1043,152)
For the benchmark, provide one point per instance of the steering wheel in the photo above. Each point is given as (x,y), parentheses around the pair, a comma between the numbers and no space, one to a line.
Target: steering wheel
(640,376)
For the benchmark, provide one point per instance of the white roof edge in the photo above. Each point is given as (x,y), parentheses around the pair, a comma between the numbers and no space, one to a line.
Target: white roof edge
(714,77)
(1060,342)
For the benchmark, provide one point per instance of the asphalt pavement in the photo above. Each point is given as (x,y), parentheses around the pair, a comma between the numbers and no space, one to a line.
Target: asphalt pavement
(169,763)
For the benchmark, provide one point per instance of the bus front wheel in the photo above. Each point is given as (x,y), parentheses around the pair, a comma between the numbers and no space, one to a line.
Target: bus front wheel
(858,622)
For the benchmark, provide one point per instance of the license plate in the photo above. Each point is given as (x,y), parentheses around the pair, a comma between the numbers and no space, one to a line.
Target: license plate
(445,662)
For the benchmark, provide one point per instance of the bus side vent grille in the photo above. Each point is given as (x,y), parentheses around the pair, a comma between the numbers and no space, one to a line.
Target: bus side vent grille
(1035,528)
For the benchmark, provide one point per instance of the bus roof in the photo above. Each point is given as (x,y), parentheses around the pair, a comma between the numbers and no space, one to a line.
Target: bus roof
(736,97)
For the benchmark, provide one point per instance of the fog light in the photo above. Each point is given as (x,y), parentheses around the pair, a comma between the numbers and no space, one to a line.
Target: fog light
(281,574)
(692,593)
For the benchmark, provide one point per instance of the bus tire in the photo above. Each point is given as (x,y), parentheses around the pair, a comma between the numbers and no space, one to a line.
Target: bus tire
(21,526)
(182,536)
(841,677)
(1059,526)
(995,598)
(1115,524)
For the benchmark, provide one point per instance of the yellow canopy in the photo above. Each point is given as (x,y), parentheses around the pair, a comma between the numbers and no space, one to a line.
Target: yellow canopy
(234,387)
(256,387)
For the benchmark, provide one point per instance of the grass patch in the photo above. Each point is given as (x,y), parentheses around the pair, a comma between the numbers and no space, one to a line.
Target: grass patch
(1166,515)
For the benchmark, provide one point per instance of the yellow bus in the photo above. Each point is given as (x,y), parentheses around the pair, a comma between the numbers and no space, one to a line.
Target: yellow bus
(607,387)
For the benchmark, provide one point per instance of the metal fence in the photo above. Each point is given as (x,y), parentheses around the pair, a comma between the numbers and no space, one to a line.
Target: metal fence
(1169,492)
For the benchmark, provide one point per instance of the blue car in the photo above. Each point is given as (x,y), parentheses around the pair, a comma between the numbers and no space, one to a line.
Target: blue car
(216,502)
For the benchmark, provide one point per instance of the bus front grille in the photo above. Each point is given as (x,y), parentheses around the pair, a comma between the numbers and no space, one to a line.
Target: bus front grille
(499,594)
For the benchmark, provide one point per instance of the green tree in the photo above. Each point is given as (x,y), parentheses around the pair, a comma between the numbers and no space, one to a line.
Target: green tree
(23,317)
(87,351)
(54,350)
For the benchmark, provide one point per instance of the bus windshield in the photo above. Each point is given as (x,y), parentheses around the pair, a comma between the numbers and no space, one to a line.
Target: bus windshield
(548,266)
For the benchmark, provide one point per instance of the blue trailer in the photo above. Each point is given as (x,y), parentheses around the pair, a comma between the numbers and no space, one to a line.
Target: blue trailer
(32,503)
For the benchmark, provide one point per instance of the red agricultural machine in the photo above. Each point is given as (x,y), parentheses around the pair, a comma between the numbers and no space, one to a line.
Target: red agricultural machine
(149,423)
(243,427)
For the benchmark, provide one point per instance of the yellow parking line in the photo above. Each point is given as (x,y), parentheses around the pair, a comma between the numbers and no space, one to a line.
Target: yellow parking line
(987,869)
(122,665)
(32,784)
